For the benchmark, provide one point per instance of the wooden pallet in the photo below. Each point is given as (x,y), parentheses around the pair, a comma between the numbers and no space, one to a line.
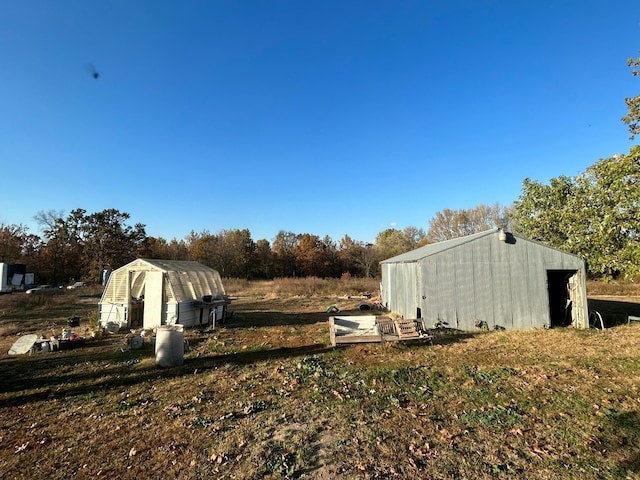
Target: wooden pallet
(396,330)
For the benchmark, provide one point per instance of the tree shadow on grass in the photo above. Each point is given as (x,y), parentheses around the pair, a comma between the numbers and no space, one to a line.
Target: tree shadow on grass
(25,380)
(614,312)
(450,336)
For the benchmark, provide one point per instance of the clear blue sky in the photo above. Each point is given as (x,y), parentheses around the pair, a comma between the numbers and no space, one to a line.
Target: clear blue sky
(322,117)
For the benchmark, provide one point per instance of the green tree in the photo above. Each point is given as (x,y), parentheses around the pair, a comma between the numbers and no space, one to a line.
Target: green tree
(237,253)
(333,268)
(108,241)
(632,118)
(548,212)
(595,215)
(391,242)
(346,255)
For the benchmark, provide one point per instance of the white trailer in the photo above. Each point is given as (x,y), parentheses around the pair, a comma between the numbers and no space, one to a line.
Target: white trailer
(12,277)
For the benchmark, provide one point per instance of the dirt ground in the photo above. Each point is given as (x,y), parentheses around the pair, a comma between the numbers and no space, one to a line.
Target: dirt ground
(266,396)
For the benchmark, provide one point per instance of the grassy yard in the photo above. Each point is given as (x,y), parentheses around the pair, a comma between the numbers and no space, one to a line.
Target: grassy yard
(266,396)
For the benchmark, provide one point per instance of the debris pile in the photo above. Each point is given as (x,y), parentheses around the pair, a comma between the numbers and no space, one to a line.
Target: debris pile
(32,343)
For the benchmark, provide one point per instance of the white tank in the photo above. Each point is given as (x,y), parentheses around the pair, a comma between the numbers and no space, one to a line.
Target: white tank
(169,346)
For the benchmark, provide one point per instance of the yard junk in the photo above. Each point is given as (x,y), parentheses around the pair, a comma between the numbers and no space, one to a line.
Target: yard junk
(23,345)
(375,328)
(133,341)
(137,342)
(482,325)
(353,329)
(366,306)
(70,340)
(67,340)
(361,295)
(399,329)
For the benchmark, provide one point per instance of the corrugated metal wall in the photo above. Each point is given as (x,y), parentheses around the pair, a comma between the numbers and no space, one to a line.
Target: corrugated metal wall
(501,283)
(401,288)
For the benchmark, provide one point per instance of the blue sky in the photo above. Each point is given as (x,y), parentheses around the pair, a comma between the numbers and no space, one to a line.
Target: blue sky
(322,117)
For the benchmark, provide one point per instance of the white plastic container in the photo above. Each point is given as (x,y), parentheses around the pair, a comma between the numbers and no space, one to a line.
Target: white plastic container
(170,346)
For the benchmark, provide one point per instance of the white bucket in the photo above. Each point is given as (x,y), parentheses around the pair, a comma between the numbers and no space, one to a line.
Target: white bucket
(169,346)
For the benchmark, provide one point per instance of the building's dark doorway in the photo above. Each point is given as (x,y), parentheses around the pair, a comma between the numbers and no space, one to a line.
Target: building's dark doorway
(559,299)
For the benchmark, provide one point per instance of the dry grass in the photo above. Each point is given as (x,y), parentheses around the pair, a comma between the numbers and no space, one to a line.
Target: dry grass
(613,288)
(301,287)
(266,397)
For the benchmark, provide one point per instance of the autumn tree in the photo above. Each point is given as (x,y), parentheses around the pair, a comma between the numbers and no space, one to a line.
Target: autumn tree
(30,247)
(311,256)
(203,247)
(61,256)
(158,247)
(81,245)
(448,224)
(231,252)
(415,236)
(177,250)
(108,241)
(357,258)
(264,266)
(15,243)
(283,248)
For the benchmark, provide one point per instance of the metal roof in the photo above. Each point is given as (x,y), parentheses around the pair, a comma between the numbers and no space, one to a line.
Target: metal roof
(434,248)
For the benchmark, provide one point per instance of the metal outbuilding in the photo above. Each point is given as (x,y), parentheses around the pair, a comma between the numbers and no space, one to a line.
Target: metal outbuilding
(149,293)
(492,279)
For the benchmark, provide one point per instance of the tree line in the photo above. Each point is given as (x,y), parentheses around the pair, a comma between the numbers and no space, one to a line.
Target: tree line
(81,245)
